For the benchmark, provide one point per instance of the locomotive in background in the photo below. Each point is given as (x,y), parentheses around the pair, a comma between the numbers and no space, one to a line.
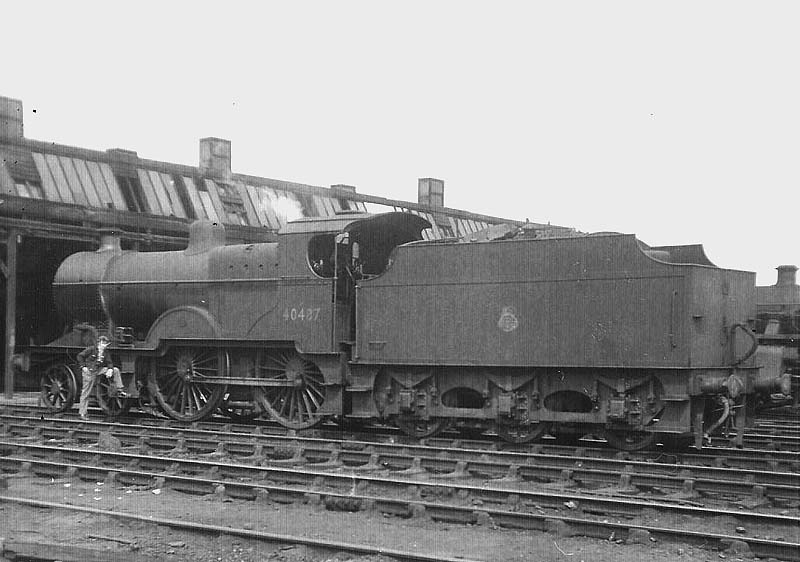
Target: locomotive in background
(778,327)
(356,317)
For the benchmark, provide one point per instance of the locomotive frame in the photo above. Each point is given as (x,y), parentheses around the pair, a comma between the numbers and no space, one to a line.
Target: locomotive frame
(355,316)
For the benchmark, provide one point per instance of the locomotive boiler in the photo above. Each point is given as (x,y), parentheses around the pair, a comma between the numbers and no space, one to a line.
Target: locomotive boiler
(355,316)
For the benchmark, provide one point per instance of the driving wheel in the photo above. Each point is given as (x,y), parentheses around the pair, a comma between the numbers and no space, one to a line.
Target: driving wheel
(177,382)
(294,388)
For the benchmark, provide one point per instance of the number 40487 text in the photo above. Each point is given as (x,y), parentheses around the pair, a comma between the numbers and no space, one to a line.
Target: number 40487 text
(301,314)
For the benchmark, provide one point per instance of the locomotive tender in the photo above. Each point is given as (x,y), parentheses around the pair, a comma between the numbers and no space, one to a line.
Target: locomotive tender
(355,316)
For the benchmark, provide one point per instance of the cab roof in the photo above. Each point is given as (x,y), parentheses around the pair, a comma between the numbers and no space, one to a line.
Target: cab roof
(346,222)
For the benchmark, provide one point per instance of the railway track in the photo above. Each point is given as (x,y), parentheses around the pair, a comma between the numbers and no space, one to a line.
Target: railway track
(579,491)
(52,554)
(747,484)
(355,490)
(204,476)
(32,421)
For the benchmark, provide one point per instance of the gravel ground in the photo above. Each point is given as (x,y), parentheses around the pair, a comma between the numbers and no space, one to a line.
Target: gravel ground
(145,541)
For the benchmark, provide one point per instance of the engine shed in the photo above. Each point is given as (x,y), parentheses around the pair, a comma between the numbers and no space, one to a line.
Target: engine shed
(56,200)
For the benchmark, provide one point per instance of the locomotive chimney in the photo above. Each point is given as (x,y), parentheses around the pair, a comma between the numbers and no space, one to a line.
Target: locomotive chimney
(430,192)
(787,276)
(10,118)
(215,158)
(109,241)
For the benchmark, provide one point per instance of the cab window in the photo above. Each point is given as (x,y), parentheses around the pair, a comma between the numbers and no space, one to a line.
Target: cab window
(321,255)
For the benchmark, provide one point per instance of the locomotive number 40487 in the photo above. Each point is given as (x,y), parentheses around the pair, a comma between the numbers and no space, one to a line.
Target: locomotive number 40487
(301,314)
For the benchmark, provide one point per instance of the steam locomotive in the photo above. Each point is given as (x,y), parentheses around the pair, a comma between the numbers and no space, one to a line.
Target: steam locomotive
(778,328)
(357,317)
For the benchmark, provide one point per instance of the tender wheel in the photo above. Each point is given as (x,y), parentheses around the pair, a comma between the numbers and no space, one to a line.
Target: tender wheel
(522,433)
(630,440)
(567,439)
(107,399)
(418,428)
(296,392)
(177,382)
(59,387)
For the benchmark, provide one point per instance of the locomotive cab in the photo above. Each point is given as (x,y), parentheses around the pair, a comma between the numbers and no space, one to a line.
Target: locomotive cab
(363,247)
(343,250)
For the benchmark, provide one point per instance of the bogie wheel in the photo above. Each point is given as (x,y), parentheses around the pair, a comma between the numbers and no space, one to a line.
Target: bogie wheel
(107,398)
(298,388)
(630,440)
(522,433)
(59,387)
(177,384)
(419,428)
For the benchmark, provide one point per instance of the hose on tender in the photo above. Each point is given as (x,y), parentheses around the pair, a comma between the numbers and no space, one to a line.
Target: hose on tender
(753,341)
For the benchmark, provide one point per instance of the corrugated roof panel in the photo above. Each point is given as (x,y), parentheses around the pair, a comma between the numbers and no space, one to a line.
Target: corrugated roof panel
(100,192)
(319,206)
(454,224)
(172,191)
(377,208)
(194,197)
(267,197)
(258,206)
(52,168)
(434,227)
(20,189)
(249,208)
(111,183)
(6,181)
(19,164)
(68,172)
(329,209)
(287,206)
(83,195)
(213,192)
(205,197)
(161,192)
(149,193)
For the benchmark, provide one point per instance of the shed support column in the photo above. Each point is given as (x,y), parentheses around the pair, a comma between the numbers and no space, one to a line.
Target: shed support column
(9,270)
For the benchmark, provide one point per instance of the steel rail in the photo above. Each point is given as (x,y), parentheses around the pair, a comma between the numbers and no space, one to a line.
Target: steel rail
(450,513)
(243,533)
(530,466)
(766,440)
(597,448)
(722,457)
(184,472)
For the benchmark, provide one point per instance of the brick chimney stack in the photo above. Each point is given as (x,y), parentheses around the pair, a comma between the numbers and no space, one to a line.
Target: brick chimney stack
(787,276)
(430,192)
(10,118)
(215,157)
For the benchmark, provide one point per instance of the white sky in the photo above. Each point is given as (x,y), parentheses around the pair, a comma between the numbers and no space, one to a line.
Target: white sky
(677,121)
